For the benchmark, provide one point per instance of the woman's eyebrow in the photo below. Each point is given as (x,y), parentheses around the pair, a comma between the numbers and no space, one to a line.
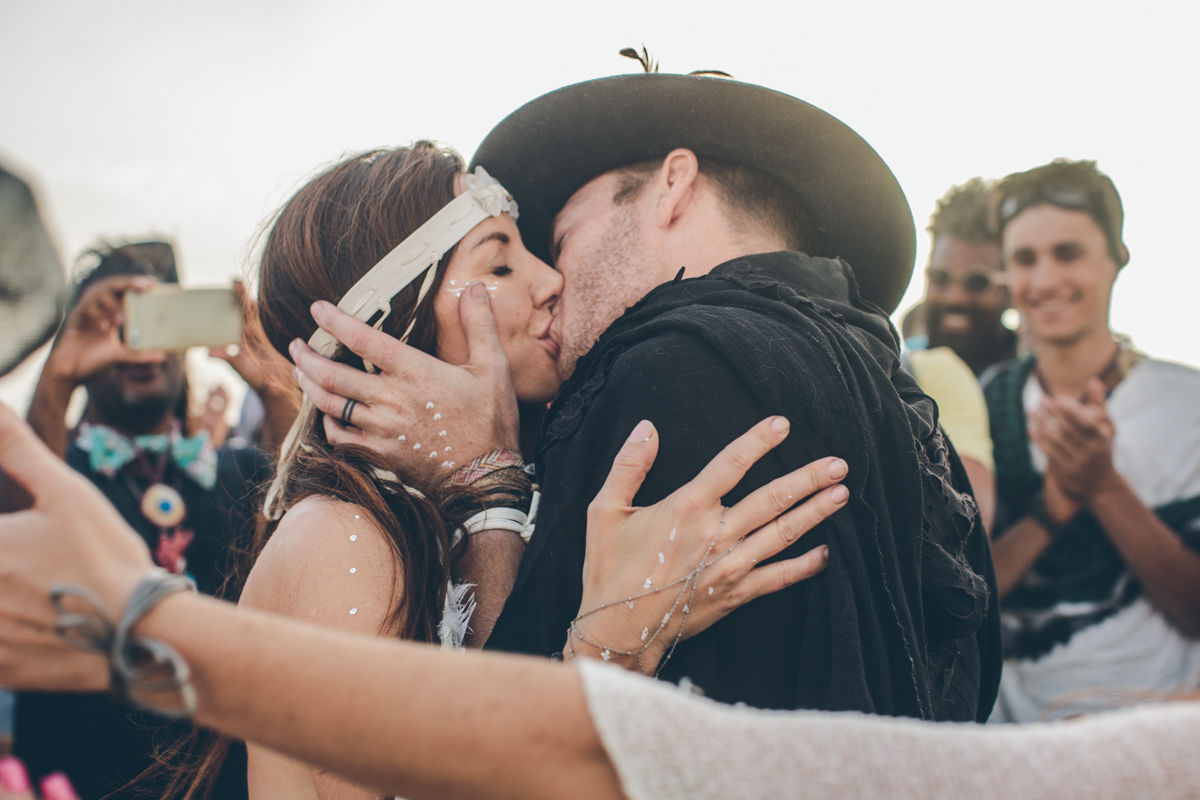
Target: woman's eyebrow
(498,236)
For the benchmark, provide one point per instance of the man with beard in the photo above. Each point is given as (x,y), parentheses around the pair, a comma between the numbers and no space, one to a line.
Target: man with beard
(965,292)
(685,192)
(680,210)
(188,499)
(965,299)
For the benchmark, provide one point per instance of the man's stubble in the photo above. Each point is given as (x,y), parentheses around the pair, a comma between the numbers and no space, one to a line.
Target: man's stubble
(614,275)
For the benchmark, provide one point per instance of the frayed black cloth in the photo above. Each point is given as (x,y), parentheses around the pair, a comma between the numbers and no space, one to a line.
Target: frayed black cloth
(903,621)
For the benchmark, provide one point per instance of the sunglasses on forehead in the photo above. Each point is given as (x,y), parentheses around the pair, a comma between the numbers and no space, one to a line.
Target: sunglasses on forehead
(972,282)
(1076,199)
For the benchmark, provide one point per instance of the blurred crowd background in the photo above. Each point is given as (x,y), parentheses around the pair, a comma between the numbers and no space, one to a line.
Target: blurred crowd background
(137,120)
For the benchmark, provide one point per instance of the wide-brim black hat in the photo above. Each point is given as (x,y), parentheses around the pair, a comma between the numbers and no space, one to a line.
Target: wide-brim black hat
(547,149)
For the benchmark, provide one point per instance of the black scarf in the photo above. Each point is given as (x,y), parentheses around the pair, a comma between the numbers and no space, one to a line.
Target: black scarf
(901,621)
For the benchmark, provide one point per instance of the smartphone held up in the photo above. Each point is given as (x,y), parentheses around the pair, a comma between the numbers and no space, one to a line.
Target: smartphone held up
(171,318)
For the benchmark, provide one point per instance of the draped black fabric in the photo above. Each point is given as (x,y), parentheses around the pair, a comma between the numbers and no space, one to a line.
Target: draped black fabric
(901,622)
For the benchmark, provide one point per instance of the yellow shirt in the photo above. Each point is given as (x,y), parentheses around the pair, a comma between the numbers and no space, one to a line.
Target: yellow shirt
(962,410)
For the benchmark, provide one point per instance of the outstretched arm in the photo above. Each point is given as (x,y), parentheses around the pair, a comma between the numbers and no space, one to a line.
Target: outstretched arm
(336,700)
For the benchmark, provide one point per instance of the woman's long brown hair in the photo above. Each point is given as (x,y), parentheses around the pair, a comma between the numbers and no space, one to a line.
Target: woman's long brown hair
(326,237)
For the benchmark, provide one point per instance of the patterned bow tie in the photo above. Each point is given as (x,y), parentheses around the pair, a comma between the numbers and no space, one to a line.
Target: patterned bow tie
(109,451)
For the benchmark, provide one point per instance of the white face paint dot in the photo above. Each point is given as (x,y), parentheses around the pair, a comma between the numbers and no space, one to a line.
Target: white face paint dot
(417,446)
(672,535)
(453,283)
(353,611)
(436,417)
(710,590)
(441,433)
(451,464)
(645,633)
(666,618)
(630,604)
(686,608)
(356,516)
(353,570)
(661,559)
(429,405)
(432,453)
(646,585)
(605,654)
(448,448)
(402,438)
(354,537)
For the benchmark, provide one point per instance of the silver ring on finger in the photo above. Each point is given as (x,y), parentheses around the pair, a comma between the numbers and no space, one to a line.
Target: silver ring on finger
(348,412)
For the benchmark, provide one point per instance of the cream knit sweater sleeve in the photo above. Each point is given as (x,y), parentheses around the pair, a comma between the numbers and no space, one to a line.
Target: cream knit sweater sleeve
(667,743)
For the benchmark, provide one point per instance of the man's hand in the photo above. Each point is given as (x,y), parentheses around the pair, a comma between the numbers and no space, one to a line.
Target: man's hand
(262,368)
(424,415)
(1077,438)
(265,371)
(90,339)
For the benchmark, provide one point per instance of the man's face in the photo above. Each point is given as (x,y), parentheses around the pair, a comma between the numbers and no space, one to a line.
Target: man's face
(1060,271)
(137,397)
(965,295)
(601,249)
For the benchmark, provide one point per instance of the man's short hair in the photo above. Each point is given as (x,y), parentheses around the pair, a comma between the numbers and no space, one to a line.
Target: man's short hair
(1071,185)
(964,212)
(753,197)
(156,259)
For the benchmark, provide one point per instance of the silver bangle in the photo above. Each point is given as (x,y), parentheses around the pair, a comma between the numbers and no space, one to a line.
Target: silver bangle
(135,660)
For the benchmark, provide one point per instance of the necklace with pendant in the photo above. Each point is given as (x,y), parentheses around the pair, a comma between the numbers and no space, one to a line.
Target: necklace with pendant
(163,506)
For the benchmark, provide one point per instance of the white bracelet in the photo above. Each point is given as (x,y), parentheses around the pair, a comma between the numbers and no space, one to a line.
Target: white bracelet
(504,519)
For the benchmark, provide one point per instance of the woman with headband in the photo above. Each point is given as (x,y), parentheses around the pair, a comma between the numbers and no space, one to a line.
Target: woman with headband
(404,239)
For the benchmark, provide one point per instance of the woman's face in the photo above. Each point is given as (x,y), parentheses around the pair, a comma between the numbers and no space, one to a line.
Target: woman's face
(523,291)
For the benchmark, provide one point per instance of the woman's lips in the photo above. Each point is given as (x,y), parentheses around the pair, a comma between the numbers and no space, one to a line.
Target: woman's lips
(548,341)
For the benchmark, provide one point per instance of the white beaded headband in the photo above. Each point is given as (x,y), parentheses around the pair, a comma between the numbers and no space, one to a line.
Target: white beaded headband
(372,294)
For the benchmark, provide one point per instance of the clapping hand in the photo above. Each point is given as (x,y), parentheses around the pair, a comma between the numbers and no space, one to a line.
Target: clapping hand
(1077,438)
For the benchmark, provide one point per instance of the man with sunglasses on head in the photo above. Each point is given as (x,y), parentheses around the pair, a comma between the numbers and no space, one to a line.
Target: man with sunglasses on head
(1098,555)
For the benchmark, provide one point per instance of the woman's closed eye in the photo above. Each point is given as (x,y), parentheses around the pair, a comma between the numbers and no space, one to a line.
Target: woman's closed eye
(502,271)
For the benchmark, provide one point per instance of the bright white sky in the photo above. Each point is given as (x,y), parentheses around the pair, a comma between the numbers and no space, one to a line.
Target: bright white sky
(196,120)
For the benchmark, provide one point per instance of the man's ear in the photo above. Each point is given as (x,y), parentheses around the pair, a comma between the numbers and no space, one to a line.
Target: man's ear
(677,184)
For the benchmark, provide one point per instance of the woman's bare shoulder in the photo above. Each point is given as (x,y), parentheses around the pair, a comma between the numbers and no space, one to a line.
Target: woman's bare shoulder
(328,562)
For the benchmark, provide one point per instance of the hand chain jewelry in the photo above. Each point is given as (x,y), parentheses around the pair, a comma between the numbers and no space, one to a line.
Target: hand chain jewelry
(135,660)
(688,582)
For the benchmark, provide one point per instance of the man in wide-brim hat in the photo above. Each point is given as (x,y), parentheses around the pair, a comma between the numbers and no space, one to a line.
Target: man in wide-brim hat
(727,253)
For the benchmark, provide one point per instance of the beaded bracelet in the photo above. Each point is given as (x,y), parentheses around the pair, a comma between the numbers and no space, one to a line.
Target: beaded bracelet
(136,661)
